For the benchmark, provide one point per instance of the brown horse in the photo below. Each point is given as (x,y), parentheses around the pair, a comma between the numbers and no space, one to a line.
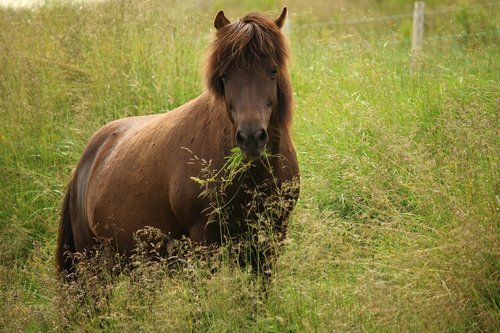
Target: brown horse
(135,172)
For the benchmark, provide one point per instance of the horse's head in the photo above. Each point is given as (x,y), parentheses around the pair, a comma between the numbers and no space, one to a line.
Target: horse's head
(251,97)
(248,71)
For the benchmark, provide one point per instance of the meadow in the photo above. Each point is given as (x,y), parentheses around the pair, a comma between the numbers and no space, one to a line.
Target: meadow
(397,226)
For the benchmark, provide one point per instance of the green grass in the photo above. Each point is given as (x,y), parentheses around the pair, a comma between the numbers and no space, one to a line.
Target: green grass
(397,225)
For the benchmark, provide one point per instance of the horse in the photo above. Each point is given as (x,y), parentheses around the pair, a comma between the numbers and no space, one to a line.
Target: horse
(137,172)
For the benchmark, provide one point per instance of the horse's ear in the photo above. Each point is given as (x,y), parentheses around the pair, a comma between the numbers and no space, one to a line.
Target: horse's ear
(280,21)
(220,20)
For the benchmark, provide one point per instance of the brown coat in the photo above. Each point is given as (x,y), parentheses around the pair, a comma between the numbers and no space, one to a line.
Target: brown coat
(136,172)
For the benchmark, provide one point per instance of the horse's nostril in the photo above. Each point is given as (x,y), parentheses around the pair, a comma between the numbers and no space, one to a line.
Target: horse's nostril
(240,137)
(261,136)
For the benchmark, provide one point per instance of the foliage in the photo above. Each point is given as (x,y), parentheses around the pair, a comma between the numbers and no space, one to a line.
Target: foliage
(397,224)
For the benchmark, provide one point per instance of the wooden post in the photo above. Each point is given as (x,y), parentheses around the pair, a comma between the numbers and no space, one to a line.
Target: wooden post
(418,32)
(418,26)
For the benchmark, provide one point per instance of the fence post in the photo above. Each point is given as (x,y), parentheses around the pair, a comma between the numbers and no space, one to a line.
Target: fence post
(418,32)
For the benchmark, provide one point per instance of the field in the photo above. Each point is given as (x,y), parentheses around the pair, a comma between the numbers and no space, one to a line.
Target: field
(397,226)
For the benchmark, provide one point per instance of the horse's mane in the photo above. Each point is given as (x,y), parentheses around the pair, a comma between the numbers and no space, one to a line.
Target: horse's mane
(252,40)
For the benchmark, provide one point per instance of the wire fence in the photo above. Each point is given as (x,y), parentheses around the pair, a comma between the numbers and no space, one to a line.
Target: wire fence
(384,43)
(398,17)
(396,43)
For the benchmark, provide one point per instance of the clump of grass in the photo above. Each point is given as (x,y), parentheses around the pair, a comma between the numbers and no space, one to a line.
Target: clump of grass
(266,202)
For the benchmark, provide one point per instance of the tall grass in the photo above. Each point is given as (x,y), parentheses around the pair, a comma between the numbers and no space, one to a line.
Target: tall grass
(397,225)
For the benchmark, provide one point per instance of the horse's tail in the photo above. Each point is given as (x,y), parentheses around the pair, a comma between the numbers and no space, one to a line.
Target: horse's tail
(65,239)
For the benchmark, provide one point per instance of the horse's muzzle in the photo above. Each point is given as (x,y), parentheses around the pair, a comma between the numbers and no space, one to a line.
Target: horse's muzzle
(251,142)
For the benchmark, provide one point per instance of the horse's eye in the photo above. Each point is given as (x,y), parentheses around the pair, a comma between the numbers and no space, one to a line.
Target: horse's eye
(224,78)
(274,72)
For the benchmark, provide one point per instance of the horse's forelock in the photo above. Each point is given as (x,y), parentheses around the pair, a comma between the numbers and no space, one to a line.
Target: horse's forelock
(252,40)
